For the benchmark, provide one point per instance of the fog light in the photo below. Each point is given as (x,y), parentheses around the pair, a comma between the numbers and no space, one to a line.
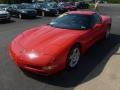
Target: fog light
(49,67)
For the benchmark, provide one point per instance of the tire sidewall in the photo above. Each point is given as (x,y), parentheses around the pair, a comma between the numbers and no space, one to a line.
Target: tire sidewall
(20,16)
(43,13)
(68,58)
(107,34)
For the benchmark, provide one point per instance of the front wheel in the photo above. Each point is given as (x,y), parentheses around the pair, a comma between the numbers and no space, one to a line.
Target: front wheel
(73,57)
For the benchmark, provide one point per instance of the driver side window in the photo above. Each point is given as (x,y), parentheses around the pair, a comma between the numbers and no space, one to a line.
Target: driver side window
(15,7)
(96,19)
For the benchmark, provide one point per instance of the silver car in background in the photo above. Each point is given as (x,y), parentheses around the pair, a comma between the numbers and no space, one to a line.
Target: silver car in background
(4,15)
(4,6)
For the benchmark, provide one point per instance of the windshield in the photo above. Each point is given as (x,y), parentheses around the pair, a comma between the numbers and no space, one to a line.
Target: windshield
(53,5)
(50,5)
(3,7)
(72,21)
(25,7)
(37,5)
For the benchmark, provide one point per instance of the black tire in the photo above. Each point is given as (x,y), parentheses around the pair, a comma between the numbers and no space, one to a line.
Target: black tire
(43,13)
(88,6)
(9,19)
(20,16)
(58,12)
(73,60)
(107,34)
(34,16)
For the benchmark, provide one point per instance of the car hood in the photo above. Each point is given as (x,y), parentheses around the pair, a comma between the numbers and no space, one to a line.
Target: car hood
(46,38)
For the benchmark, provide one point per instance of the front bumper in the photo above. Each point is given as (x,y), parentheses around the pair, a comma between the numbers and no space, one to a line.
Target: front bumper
(4,17)
(36,71)
(29,67)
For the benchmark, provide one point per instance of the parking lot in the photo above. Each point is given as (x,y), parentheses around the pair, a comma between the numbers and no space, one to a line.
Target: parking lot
(98,70)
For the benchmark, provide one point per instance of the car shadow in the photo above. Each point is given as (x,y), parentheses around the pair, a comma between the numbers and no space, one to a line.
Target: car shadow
(6,22)
(27,18)
(97,56)
(31,18)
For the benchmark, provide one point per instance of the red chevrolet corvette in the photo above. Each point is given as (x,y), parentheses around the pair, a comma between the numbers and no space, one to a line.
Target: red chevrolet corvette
(50,48)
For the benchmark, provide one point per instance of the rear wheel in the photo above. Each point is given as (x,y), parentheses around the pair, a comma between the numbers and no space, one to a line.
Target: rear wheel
(43,13)
(107,34)
(73,57)
(20,16)
(57,13)
(8,19)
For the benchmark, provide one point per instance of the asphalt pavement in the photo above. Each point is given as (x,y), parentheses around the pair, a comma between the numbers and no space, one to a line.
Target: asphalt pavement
(91,73)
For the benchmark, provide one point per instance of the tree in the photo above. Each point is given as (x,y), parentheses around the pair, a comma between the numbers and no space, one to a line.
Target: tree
(114,1)
(14,1)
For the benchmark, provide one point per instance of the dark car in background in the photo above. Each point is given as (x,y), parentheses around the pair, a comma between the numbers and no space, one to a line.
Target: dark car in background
(38,7)
(48,9)
(22,10)
(68,6)
(58,7)
(45,8)
(103,1)
(82,5)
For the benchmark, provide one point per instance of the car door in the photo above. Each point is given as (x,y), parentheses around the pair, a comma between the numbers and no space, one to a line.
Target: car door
(94,32)
(97,27)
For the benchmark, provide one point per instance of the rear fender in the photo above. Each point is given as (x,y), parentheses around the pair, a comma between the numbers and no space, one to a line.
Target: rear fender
(106,19)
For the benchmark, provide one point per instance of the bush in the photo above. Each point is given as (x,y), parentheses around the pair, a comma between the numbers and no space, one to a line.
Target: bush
(114,1)
(14,1)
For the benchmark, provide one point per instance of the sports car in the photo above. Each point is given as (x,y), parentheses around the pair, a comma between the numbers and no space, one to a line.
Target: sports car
(49,48)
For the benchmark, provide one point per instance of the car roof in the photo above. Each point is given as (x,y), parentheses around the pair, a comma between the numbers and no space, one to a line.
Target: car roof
(16,4)
(4,4)
(20,4)
(82,12)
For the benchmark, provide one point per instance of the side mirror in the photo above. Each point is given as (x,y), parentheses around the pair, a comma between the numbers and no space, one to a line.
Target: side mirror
(97,25)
